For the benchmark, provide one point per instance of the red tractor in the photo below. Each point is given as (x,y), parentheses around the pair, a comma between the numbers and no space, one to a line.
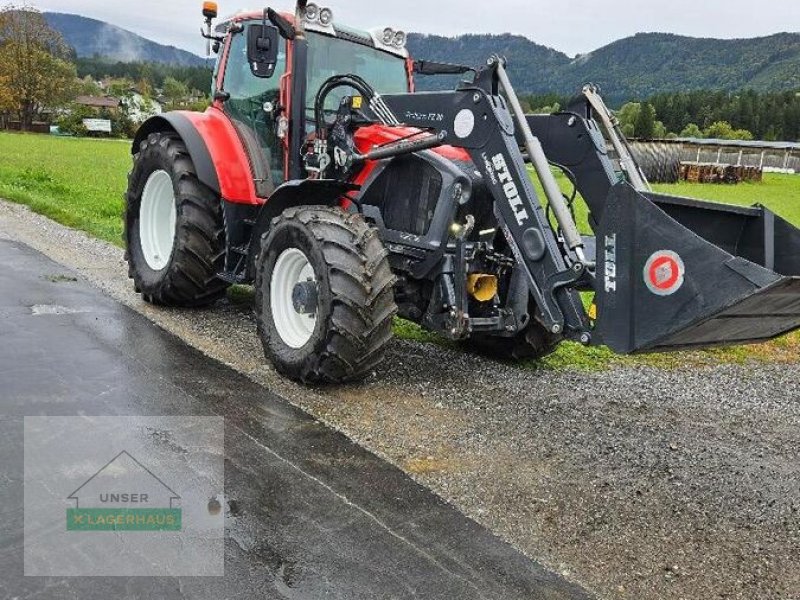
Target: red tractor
(345,198)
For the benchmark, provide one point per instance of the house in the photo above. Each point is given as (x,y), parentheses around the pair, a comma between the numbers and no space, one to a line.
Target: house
(98,103)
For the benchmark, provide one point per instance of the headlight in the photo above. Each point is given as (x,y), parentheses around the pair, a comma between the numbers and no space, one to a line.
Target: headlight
(312,12)
(399,39)
(326,16)
(388,36)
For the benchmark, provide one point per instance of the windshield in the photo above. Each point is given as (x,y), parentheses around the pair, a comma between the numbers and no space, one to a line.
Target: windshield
(329,56)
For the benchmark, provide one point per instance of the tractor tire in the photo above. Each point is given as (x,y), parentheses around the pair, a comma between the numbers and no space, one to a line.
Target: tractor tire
(534,342)
(174,236)
(324,295)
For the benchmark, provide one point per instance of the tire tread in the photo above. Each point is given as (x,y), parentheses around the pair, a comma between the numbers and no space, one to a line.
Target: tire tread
(362,306)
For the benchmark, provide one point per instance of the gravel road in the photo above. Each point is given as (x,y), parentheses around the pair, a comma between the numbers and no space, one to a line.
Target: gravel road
(638,483)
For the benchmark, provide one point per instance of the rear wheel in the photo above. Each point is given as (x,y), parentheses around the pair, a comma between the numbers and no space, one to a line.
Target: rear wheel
(173,227)
(324,297)
(532,343)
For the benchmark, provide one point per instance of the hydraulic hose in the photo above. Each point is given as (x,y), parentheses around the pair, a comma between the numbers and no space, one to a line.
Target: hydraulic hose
(374,100)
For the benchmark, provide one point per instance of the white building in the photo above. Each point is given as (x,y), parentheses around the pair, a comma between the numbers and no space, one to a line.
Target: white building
(138,108)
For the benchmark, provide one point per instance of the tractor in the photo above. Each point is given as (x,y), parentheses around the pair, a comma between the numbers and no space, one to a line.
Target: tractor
(320,176)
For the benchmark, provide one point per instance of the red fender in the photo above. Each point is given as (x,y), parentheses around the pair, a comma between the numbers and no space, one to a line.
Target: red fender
(215,148)
(227,154)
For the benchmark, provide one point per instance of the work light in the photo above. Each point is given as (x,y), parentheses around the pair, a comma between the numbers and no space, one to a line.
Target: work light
(312,12)
(326,16)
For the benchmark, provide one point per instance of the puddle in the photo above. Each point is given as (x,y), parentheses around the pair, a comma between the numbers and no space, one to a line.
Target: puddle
(55,309)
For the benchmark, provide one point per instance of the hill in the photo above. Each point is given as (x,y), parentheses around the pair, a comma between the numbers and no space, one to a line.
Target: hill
(635,67)
(532,67)
(91,37)
(650,63)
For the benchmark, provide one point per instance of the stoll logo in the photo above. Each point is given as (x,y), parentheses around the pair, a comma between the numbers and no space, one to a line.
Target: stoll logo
(124,495)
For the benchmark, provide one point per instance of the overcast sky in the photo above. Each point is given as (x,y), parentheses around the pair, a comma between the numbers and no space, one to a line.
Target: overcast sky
(572,26)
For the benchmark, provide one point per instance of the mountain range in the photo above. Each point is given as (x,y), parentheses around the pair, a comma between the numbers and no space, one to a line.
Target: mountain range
(633,67)
(90,37)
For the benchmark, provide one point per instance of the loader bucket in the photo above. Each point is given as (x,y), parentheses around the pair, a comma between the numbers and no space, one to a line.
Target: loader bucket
(675,273)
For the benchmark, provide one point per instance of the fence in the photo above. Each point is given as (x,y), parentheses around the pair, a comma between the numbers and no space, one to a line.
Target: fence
(765,158)
(731,161)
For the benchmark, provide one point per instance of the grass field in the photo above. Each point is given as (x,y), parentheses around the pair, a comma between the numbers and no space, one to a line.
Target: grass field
(77,182)
(80,183)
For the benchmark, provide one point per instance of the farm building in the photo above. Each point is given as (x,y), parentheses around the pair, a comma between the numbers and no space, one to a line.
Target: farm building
(98,103)
(710,160)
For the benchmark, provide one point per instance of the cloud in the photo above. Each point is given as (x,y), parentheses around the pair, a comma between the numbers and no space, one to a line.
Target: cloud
(572,26)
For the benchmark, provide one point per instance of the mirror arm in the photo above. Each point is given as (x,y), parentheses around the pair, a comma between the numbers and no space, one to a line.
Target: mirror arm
(285,28)
(215,38)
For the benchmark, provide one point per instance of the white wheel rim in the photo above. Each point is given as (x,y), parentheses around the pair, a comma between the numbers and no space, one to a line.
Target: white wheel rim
(291,268)
(157,217)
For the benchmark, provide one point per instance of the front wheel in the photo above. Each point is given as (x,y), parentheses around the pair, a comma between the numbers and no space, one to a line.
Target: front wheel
(324,297)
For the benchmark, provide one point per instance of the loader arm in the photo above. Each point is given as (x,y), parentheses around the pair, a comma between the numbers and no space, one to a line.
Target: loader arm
(670,273)
(483,124)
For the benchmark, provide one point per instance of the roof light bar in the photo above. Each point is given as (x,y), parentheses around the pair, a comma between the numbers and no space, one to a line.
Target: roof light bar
(396,38)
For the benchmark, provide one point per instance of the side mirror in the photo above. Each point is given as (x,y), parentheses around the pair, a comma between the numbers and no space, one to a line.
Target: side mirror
(262,49)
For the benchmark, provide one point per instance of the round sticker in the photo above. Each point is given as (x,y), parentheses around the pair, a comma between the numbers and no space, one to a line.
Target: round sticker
(664,273)
(464,123)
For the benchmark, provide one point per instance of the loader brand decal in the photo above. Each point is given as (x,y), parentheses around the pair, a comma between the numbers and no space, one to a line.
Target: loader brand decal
(664,273)
(510,188)
(611,263)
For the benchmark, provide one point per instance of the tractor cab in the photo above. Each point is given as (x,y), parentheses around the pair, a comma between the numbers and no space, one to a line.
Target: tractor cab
(273,109)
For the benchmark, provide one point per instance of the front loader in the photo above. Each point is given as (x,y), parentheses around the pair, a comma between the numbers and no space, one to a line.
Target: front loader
(345,198)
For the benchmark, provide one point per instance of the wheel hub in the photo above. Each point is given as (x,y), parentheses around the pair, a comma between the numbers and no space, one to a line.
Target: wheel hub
(294,298)
(304,297)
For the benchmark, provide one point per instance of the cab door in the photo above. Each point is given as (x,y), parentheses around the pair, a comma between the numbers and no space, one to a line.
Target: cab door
(254,108)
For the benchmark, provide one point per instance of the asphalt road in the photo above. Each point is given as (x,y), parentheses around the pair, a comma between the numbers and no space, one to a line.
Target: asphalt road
(309,514)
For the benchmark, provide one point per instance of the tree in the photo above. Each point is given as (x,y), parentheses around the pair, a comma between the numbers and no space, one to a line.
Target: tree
(88,87)
(645,124)
(691,131)
(175,91)
(6,99)
(627,116)
(120,87)
(33,61)
(724,131)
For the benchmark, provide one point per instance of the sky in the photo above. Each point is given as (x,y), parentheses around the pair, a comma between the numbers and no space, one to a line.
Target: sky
(571,26)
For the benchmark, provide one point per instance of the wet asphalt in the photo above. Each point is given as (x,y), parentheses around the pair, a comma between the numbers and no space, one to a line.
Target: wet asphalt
(308,513)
